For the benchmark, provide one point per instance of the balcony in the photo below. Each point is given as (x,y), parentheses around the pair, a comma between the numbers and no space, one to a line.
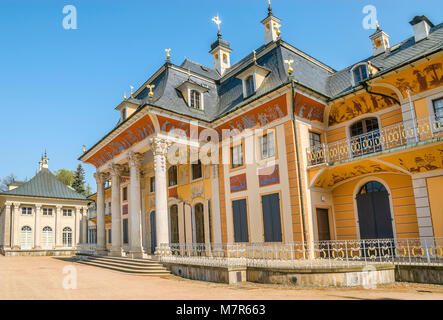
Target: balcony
(405,134)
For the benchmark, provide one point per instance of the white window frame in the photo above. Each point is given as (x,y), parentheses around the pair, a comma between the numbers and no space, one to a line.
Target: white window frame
(237,157)
(26,211)
(270,137)
(67,212)
(354,83)
(201,107)
(45,211)
(67,237)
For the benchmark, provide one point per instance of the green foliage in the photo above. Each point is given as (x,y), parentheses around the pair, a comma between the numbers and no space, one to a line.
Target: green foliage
(79,181)
(65,176)
(6,181)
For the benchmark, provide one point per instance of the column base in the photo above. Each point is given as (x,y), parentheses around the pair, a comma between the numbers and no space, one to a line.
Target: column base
(116,252)
(135,255)
(37,247)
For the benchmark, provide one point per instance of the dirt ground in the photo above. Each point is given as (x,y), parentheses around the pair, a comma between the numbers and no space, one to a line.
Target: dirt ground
(44,278)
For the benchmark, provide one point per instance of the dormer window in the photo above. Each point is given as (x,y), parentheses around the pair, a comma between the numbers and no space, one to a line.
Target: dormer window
(195,99)
(359,73)
(250,88)
(124,114)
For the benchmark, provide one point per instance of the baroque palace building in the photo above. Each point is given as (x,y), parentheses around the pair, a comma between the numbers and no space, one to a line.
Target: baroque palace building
(277,148)
(42,216)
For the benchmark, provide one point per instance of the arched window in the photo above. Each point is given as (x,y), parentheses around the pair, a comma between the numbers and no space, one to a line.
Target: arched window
(195,99)
(67,237)
(365,137)
(172,175)
(250,88)
(47,238)
(173,214)
(26,238)
(360,73)
(199,223)
(372,186)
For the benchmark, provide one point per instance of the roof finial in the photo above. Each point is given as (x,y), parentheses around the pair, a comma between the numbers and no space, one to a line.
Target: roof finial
(289,63)
(124,95)
(150,87)
(217,21)
(44,162)
(189,73)
(132,88)
(168,55)
(377,26)
(269,8)
(254,58)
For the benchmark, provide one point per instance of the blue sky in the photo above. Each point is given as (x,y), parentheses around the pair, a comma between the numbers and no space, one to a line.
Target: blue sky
(59,87)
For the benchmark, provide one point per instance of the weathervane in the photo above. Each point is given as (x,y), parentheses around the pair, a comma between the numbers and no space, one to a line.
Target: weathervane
(269,7)
(289,62)
(167,53)
(217,21)
(150,87)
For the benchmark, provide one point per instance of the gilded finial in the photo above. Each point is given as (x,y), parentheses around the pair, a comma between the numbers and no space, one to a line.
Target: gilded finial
(189,73)
(124,96)
(132,88)
(277,28)
(167,53)
(84,148)
(255,56)
(377,26)
(289,62)
(218,22)
(150,87)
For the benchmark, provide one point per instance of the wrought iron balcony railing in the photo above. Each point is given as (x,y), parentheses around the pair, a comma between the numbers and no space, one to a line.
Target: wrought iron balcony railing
(398,135)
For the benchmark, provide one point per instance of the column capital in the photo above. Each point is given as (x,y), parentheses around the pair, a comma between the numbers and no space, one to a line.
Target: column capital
(58,207)
(16,205)
(101,177)
(8,204)
(38,206)
(160,146)
(135,159)
(115,170)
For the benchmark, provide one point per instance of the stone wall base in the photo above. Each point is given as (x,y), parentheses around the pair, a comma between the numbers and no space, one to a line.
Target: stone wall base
(228,275)
(40,252)
(419,274)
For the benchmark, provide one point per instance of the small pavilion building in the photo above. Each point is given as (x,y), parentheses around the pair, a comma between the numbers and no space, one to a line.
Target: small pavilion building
(42,216)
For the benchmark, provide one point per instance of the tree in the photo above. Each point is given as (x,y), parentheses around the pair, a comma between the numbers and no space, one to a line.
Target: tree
(6,181)
(79,181)
(65,176)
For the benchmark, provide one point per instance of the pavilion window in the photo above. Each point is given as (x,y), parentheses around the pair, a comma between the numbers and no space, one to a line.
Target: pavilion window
(67,237)
(67,213)
(26,210)
(360,74)
(152,184)
(196,170)
(47,211)
(250,88)
(172,176)
(195,99)
(237,156)
(125,194)
(438,109)
(267,146)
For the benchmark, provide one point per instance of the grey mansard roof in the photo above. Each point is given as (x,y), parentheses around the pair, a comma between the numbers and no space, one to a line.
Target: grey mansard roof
(225,93)
(45,185)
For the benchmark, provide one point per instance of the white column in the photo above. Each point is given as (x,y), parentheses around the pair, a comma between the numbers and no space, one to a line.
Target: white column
(77,226)
(15,226)
(160,148)
(100,177)
(85,226)
(58,231)
(135,228)
(37,229)
(143,204)
(7,226)
(116,208)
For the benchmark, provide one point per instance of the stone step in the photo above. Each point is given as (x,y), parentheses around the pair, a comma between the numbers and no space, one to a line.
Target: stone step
(126,261)
(150,272)
(127,265)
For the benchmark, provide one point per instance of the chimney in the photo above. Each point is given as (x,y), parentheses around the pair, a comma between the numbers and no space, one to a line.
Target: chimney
(380,41)
(422,27)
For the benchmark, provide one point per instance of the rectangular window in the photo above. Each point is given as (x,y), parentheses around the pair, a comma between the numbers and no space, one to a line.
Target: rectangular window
(125,231)
(125,194)
(271,217)
(314,139)
(237,156)
(26,210)
(47,211)
(438,109)
(109,236)
(67,213)
(267,146)
(172,176)
(152,184)
(196,170)
(240,217)
(250,86)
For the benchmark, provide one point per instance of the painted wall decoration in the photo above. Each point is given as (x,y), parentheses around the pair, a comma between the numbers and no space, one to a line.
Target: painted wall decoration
(173,193)
(268,176)
(356,106)
(308,109)
(135,133)
(238,183)
(330,177)
(125,209)
(258,117)
(420,78)
(423,160)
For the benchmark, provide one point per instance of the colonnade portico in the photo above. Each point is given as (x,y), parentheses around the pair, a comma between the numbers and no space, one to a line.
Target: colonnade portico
(114,171)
